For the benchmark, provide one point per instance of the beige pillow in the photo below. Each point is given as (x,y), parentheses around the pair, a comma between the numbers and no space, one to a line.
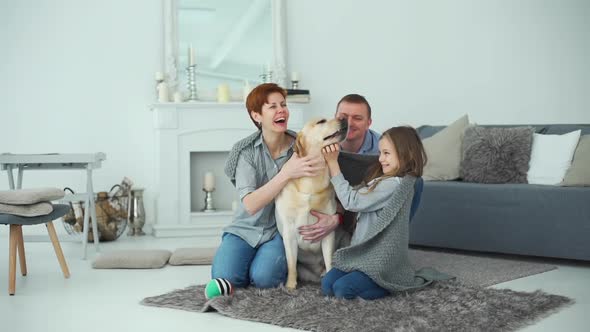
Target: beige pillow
(32,210)
(132,259)
(192,256)
(579,172)
(443,150)
(30,196)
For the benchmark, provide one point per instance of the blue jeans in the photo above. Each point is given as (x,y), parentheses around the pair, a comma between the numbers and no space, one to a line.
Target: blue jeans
(261,267)
(349,285)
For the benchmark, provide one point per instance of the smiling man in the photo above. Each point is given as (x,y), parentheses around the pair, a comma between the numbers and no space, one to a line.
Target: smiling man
(355,109)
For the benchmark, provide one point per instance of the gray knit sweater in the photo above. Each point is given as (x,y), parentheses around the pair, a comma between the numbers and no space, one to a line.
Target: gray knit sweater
(383,254)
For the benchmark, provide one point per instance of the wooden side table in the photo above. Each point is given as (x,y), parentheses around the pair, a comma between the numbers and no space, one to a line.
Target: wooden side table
(63,161)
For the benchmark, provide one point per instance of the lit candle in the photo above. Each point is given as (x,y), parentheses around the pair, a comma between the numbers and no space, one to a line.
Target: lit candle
(294,76)
(159,76)
(191,56)
(209,181)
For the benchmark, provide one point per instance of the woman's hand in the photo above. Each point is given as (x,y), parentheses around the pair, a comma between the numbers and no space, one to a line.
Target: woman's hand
(297,167)
(331,153)
(326,224)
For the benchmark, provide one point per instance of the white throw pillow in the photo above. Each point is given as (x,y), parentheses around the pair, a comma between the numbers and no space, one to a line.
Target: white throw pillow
(551,157)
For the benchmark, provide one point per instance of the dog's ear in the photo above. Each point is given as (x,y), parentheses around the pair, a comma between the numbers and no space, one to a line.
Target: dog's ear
(300,146)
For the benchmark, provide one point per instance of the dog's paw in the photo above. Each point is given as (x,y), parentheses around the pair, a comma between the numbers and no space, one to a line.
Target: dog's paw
(291,284)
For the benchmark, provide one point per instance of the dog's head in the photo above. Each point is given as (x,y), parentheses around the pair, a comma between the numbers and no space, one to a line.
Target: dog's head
(318,133)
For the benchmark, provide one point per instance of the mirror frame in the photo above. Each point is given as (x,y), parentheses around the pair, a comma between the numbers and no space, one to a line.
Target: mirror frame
(278,62)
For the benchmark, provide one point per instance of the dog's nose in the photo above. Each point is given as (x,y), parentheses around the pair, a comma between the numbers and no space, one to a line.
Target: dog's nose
(343,124)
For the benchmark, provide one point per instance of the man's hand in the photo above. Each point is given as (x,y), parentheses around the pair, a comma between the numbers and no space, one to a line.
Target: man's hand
(316,232)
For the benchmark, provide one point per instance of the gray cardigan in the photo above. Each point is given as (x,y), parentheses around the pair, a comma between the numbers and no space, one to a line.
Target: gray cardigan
(383,253)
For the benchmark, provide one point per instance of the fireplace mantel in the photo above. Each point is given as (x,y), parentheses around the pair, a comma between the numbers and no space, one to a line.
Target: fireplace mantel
(183,128)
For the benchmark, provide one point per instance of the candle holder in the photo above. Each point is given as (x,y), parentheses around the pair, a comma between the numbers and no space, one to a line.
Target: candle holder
(208,201)
(267,76)
(294,85)
(191,72)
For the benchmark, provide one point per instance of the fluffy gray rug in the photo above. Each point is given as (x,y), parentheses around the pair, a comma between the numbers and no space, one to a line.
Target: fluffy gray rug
(448,306)
(451,306)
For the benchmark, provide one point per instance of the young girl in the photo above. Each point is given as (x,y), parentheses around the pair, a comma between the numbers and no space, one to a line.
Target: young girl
(376,262)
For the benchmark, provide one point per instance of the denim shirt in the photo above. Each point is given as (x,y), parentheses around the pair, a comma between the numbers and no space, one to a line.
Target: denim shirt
(261,227)
(370,144)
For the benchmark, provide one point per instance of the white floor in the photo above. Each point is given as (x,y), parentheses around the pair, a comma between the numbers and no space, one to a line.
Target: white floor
(108,300)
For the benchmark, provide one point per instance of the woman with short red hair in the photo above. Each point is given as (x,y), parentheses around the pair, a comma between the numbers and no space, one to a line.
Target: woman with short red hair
(251,250)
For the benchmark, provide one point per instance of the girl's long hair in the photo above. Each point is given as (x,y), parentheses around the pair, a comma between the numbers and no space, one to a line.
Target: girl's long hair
(410,153)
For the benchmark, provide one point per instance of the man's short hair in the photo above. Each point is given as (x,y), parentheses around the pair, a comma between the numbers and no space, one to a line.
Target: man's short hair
(354,98)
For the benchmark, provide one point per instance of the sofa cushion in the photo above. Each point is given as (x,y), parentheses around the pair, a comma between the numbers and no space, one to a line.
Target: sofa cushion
(443,150)
(426,131)
(496,155)
(560,129)
(551,157)
(579,172)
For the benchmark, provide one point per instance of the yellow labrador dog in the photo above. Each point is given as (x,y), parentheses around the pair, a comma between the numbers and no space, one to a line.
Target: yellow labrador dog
(302,195)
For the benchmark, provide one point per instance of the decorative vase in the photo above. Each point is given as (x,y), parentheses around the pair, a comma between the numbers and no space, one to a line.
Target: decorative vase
(136,213)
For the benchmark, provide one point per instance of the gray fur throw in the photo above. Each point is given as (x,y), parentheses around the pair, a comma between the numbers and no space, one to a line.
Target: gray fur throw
(496,155)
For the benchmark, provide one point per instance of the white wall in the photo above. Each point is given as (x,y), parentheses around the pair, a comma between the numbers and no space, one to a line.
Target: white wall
(77,76)
(428,62)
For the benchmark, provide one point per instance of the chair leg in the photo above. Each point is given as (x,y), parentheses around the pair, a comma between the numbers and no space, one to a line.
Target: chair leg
(21,251)
(57,247)
(12,259)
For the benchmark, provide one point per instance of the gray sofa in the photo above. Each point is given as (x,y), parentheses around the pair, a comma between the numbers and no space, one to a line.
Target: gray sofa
(524,219)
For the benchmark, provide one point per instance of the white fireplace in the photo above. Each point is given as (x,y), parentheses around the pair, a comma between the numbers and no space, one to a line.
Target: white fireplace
(204,133)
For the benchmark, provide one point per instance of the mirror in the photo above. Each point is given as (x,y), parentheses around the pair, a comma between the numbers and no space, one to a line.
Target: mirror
(232,41)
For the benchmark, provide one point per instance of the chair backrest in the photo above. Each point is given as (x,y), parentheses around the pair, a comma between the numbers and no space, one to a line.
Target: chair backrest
(418,187)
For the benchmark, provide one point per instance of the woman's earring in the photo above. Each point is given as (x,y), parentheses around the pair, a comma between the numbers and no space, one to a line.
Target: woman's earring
(260,123)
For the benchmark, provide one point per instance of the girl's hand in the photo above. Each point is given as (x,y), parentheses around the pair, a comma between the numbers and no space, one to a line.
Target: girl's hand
(297,167)
(331,152)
